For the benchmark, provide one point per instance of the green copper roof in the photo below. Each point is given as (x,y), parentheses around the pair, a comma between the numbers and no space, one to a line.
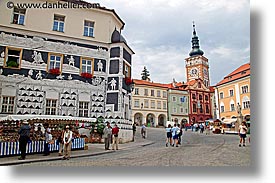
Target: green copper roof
(195,44)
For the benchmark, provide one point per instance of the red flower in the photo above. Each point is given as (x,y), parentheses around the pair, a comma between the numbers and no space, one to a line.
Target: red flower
(86,75)
(55,71)
(128,80)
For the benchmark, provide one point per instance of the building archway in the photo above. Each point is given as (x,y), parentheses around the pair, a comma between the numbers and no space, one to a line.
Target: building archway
(150,120)
(247,117)
(183,122)
(161,120)
(138,119)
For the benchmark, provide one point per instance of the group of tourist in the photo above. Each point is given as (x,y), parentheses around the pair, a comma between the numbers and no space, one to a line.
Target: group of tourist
(110,136)
(173,135)
(64,140)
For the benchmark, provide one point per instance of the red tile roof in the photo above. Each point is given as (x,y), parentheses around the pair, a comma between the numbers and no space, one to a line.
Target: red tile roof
(149,83)
(240,72)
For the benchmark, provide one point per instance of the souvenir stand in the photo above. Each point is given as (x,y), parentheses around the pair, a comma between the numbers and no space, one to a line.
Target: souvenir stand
(10,125)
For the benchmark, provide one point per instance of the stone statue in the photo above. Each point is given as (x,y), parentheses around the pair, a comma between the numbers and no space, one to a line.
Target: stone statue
(99,66)
(70,77)
(71,61)
(113,83)
(39,76)
(30,73)
(60,77)
(37,57)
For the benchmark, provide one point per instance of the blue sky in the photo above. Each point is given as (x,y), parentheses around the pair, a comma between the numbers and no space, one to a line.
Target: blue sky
(160,31)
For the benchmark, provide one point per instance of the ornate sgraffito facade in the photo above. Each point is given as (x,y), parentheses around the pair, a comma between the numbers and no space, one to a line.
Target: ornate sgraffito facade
(45,72)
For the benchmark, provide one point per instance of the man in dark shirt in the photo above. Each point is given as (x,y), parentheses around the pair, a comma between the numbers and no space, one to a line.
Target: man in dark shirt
(24,136)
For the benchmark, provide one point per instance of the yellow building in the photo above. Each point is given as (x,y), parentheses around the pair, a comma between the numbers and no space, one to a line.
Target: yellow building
(149,103)
(234,89)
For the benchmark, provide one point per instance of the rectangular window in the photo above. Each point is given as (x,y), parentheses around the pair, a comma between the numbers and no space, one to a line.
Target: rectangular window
(7,105)
(145,92)
(181,110)
(146,104)
(153,105)
(18,16)
(174,110)
(136,103)
(159,105)
(221,95)
(58,23)
(127,70)
(83,109)
(194,108)
(246,105)
(207,109)
(232,107)
(245,89)
(158,93)
(136,91)
(13,58)
(164,105)
(55,62)
(51,107)
(222,108)
(174,99)
(152,93)
(86,65)
(164,94)
(231,93)
(88,28)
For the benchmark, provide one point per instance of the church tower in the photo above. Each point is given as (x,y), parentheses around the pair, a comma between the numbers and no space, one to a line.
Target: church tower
(197,65)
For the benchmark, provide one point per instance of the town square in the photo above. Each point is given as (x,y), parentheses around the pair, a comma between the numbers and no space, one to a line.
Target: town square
(81,85)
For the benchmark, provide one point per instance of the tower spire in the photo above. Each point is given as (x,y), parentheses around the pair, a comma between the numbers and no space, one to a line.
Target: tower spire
(195,43)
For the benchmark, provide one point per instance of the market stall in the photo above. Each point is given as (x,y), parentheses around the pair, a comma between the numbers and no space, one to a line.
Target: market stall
(10,125)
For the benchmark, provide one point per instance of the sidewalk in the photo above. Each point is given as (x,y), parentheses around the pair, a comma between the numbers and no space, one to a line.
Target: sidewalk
(93,150)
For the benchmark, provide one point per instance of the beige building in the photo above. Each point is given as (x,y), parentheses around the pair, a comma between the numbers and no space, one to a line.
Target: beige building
(234,89)
(149,103)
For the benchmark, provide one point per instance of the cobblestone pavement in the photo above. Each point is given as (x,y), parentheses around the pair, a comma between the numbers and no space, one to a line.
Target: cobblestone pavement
(196,150)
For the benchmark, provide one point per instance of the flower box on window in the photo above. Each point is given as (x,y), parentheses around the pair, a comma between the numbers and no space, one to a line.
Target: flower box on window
(86,75)
(55,71)
(128,80)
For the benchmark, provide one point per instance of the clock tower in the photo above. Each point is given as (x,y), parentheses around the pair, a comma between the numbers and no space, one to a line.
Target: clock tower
(197,65)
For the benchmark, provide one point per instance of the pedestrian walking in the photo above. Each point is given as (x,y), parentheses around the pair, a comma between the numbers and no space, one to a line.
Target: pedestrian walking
(67,141)
(134,131)
(48,137)
(24,137)
(61,142)
(201,128)
(115,132)
(107,135)
(242,133)
(175,132)
(179,134)
(168,135)
(207,130)
(143,131)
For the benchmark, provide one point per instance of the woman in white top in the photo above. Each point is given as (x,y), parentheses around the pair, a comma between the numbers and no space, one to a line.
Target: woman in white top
(242,133)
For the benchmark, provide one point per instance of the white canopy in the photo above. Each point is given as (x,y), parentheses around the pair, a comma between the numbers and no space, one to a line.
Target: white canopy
(44,117)
(229,121)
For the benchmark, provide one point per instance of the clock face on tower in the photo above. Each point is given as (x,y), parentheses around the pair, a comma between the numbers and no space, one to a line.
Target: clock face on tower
(193,72)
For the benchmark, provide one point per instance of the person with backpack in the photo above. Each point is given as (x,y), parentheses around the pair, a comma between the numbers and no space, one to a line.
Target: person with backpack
(168,135)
